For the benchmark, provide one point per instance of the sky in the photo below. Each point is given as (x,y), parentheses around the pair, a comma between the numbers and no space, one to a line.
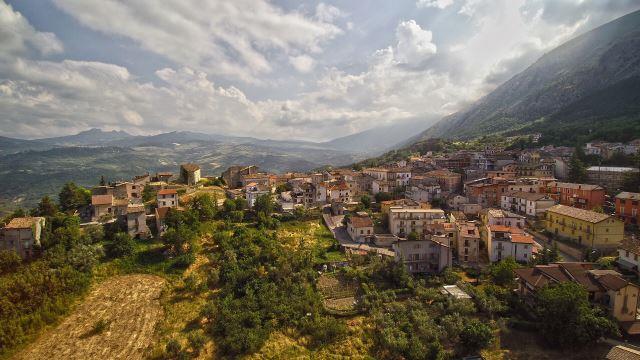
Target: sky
(281,69)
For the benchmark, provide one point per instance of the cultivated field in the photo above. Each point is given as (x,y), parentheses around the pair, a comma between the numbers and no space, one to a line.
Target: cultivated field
(116,321)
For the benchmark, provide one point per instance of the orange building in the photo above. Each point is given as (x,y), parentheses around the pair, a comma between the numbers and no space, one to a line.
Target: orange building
(582,196)
(627,208)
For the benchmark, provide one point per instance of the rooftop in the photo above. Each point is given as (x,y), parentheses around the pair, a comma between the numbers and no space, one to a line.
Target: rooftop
(190,167)
(23,222)
(628,195)
(167,192)
(101,199)
(358,221)
(580,214)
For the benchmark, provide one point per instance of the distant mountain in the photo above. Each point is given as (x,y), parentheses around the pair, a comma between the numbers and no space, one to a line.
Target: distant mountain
(593,63)
(378,140)
(89,137)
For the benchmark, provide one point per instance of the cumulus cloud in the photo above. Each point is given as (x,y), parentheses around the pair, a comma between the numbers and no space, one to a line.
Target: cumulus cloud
(302,63)
(440,4)
(230,38)
(414,44)
(17,35)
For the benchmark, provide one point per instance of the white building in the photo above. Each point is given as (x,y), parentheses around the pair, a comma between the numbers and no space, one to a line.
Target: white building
(503,242)
(21,235)
(526,203)
(167,198)
(423,193)
(403,221)
(423,256)
(360,227)
(253,191)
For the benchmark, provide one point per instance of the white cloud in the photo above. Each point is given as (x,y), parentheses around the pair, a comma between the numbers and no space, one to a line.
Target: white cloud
(302,63)
(327,13)
(231,38)
(440,4)
(414,44)
(17,35)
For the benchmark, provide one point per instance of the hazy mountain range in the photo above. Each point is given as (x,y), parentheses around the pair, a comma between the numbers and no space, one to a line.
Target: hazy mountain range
(33,168)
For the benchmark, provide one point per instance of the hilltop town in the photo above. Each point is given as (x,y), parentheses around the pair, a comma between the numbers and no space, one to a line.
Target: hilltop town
(493,230)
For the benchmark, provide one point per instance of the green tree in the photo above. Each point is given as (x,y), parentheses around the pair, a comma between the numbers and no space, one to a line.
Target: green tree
(46,207)
(501,273)
(566,318)
(9,261)
(383,196)
(577,168)
(205,206)
(476,335)
(149,193)
(365,200)
(121,245)
(264,204)
(413,236)
(73,197)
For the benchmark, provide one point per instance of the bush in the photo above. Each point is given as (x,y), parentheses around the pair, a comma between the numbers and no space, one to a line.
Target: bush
(323,330)
(9,261)
(196,340)
(121,245)
(476,335)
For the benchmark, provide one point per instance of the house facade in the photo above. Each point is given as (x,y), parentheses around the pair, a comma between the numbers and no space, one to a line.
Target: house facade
(189,174)
(468,243)
(583,196)
(423,256)
(403,221)
(167,198)
(21,235)
(585,227)
(503,242)
(526,203)
(360,227)
(627,208)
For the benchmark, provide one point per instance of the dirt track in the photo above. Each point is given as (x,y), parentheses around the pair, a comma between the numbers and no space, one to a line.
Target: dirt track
(131,306)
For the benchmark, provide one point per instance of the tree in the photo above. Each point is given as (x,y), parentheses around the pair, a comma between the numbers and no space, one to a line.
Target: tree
(566,318)
(476,335)
(73,197)
(46,207)
(502,272)
(413,236)
(577,168)
(365,200)
(103,182)
(383,196)
(205,206)
(148,193)
(9,261)
(121,245)
(264,204)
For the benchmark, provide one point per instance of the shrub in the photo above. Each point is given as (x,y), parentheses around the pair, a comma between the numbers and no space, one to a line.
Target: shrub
(196,340)
(476,335)
(121,245)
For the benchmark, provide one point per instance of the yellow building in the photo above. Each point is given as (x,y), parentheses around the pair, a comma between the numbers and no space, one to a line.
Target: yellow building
(588,228)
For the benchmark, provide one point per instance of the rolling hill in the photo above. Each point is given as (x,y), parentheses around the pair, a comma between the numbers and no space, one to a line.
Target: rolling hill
(551,90)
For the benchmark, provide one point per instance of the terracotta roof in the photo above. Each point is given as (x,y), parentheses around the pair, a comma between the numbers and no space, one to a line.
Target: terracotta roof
(190,167)
(23,222)
(521,238)
(576,186)
(360,221)
(164,174)
(101,199)
(501,228)
(161,212)
(586,215)
(135,209)
(528,195)
(628,196)
(623,352)
(167,192)
(612,282)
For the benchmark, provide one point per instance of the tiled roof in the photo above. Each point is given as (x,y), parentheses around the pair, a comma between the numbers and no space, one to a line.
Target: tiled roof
(578,186)
(190,167)
(528,195)
(23,222)
(135,209)
(360,221)
(522,238)
(101,199)
(167,192)
(623,352)
(581,214)
(612,282)
(162,212)
(628,196)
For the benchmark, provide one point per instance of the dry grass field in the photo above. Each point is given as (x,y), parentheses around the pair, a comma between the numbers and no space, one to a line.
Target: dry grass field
(115,321)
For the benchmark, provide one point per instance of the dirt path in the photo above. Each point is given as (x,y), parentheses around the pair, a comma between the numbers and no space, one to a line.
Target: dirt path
(131,307)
